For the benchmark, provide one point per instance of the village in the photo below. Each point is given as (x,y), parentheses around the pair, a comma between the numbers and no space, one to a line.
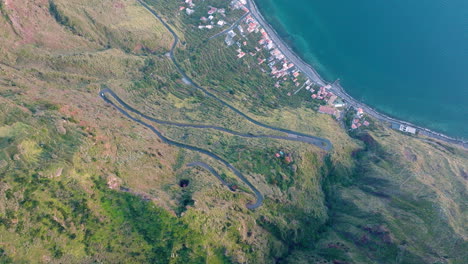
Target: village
(275,63)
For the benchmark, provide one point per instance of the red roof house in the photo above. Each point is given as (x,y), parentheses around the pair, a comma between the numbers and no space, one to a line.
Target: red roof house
(326,110)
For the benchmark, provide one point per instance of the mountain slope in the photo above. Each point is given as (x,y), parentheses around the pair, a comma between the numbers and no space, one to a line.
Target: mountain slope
(81,183)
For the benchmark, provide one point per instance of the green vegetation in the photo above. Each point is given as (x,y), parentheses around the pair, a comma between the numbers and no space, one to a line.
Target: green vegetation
(162,233)
(80,183)
(47,209)
(60,18)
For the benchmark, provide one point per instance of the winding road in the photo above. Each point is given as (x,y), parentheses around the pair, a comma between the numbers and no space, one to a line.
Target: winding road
(125,109)
(290,137)
(257,193)
(213,171)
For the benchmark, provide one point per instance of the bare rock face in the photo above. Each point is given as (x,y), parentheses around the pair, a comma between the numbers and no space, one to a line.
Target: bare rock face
(409,155)
(464,174)
(113,182)
(58,173)
(3,163)
(60,128)
(16,157)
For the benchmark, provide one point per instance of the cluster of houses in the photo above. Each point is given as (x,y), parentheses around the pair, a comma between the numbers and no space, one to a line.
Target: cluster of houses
(359,120)
(212,17)
(279,67)
(334,103)
(285,156)
(189,8)
(239,4)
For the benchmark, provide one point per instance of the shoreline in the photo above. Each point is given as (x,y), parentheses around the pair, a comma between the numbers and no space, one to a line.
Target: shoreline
(336,88)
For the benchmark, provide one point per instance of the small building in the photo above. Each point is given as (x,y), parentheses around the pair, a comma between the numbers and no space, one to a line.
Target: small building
(339,103)
(190,3)
(360,112)
(395,126)
(189,11)
(212,10)
(326,110)
(408,129)
(270,45)
(404,128)
(241,30)
(332,99)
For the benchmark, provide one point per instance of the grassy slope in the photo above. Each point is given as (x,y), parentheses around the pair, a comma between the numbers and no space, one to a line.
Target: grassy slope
(60,144)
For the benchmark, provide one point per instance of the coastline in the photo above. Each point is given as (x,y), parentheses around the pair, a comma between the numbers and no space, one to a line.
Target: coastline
(336,88)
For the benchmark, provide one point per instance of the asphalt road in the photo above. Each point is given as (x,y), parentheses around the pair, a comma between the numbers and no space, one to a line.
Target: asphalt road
(210,169)
(125,109)
(290,137)
(230,28)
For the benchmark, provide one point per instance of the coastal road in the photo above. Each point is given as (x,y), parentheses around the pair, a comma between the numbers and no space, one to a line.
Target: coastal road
(259,196)
(339,91)
(283,47)
(336,88)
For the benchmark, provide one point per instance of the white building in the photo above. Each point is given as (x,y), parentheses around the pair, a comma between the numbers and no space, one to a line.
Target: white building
(408,129)
(404,128)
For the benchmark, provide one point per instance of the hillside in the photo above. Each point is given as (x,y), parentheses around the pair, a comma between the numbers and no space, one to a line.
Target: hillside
(82,183)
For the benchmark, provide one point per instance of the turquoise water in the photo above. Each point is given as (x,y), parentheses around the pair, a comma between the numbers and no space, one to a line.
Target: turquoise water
(407,58)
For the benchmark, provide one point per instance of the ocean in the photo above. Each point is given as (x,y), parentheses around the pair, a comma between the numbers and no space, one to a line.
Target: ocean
(406,58)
